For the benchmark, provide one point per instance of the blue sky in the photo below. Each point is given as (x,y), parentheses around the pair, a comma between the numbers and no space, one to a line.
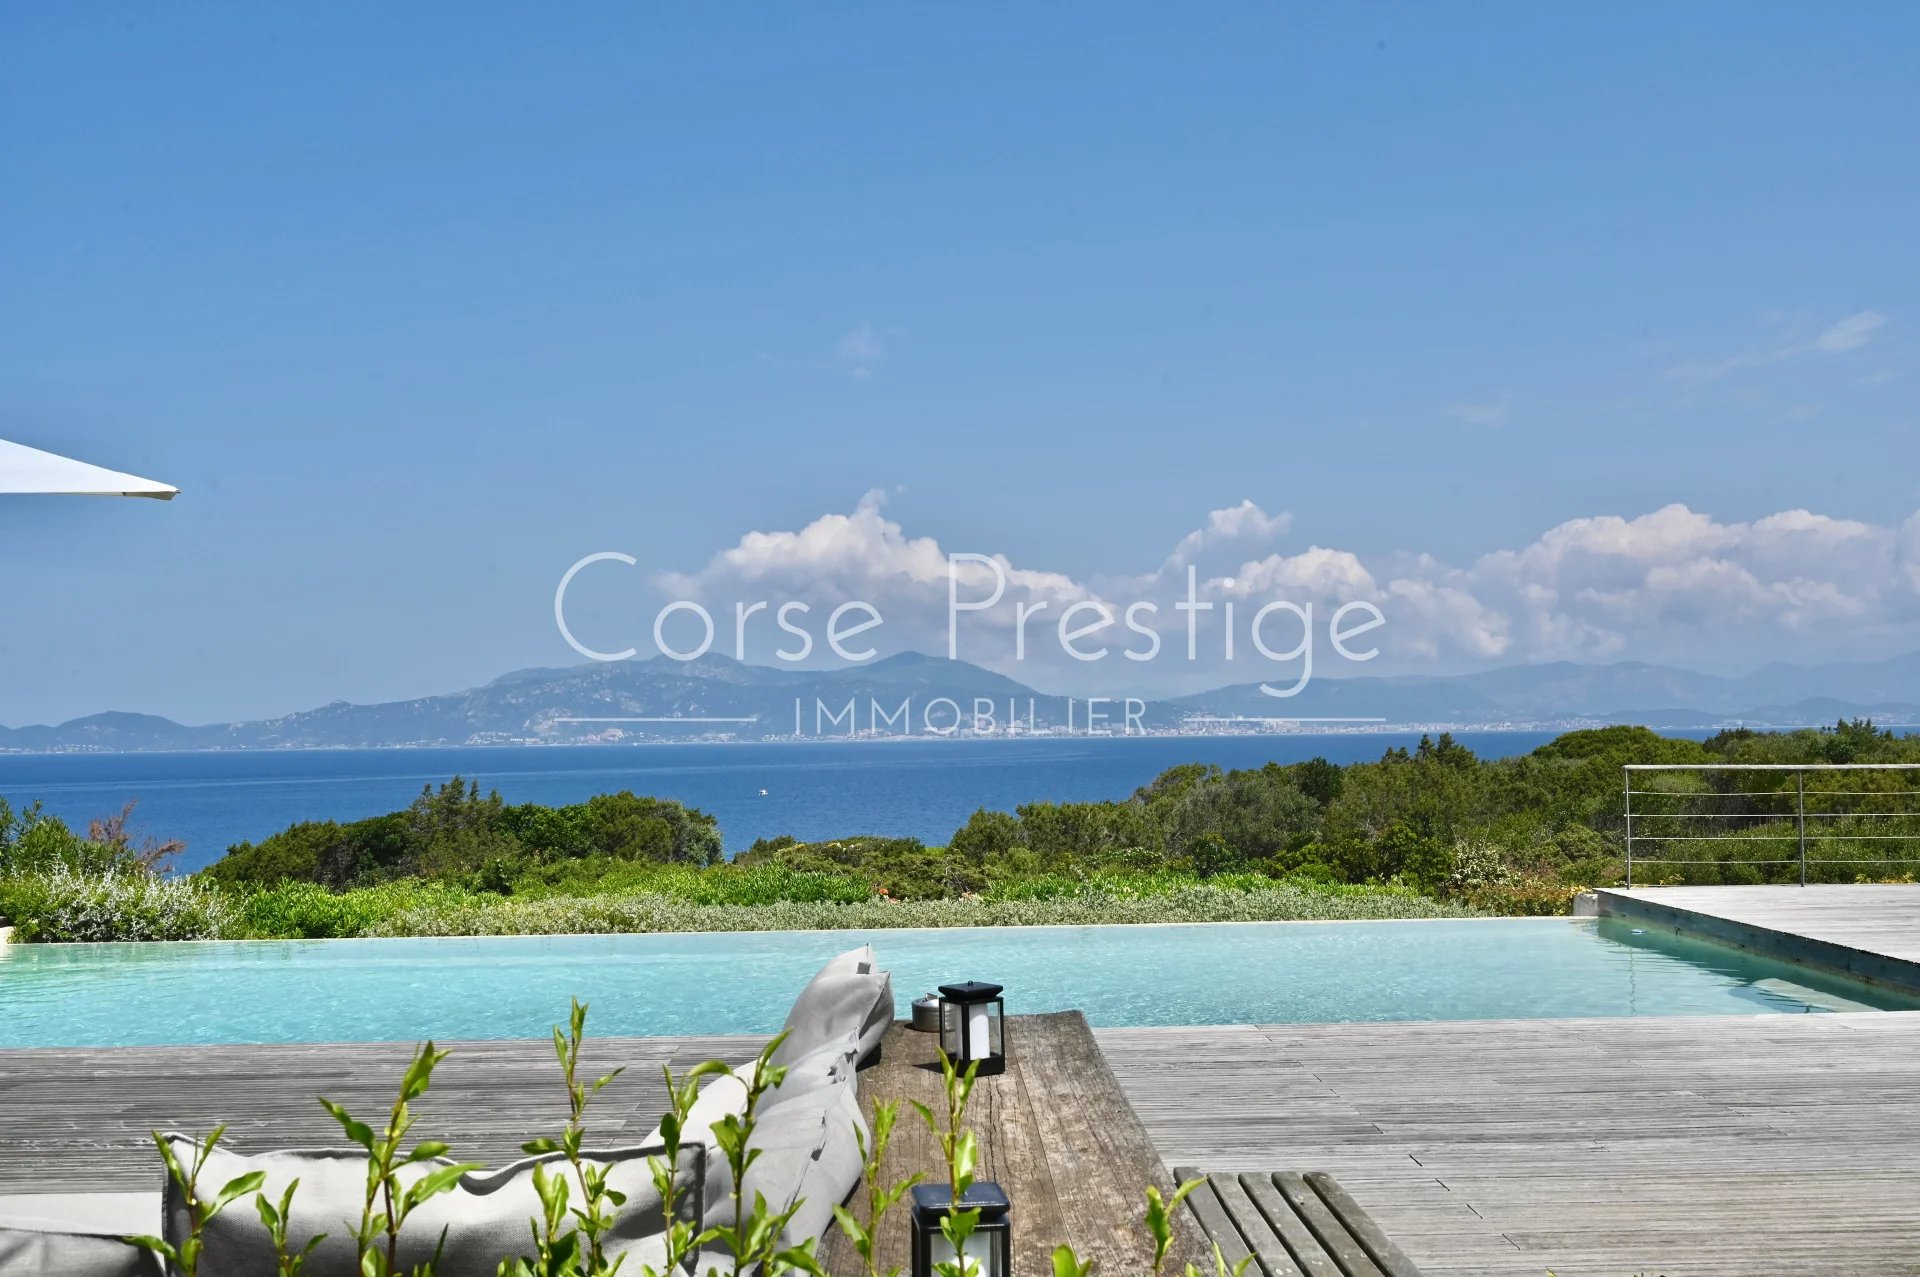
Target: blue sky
(417,308)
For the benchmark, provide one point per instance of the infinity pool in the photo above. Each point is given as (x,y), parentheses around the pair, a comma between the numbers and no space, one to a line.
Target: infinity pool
(366,990)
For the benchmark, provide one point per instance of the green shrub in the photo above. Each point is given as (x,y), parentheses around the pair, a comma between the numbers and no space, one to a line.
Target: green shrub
(1313,871)
(984,839)
(1042,887)
(1598,871)
(770,884)
(902,868)
(1239,901)
(66,904)
(1211,855)
(308,911)
(1522,897)
(738,883)
(1117,886)
(32,841)
(457,834)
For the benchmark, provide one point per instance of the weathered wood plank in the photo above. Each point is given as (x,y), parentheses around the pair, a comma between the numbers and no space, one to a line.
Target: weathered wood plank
(1270,1254)
(1295,1225)
(1100,1156)
(1011,1149)
(1713,1145)
(1055,1130)
(1307,1252)
(1326,1227)
(1389,1258)
(1215,1220)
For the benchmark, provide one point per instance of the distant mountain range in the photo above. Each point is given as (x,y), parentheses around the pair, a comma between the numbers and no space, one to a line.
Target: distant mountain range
(719,698)
(1564,694)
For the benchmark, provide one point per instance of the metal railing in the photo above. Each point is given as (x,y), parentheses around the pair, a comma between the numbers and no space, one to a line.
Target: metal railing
(1792,809)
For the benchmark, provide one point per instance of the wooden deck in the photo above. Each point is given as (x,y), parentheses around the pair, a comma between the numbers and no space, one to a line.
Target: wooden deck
(1714,1145)
(1869,931)
(1735,1145)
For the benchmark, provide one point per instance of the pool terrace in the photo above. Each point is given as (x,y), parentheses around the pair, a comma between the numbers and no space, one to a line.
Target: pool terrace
(1724,1144)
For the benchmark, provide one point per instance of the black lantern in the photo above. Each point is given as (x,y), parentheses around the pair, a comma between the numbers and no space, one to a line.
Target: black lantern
(989,1248)
(973,1026)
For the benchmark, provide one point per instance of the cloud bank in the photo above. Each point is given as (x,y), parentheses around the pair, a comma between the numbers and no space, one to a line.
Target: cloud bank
(1671,584)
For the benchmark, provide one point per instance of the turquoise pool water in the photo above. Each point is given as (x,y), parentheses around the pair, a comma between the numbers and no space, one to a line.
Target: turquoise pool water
(366,990)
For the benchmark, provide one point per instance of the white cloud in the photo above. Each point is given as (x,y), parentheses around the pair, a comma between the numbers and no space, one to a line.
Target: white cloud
(1245,525)
(1671,584)
(1676,579)
(865,556)
(1485,412)
(1701,374)
(860,350)
(1850,333)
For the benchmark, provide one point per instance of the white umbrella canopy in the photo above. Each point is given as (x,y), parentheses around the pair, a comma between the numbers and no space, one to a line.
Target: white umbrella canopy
(29,470)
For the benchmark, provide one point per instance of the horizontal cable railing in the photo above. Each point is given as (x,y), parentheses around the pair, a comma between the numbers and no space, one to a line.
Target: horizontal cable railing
(1681,807)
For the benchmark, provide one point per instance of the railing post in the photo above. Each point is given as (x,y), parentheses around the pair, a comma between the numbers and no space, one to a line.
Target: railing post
(1627,794)
(1800,806)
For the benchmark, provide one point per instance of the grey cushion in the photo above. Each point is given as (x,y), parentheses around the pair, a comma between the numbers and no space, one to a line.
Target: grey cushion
(829,1064)
(25,1251)
(849,994)
(809,1153)
(96,1213)
(487,1216)
(722,1095)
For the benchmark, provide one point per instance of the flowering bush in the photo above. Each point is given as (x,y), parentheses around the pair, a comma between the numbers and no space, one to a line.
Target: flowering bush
(67,904)
(1477,864)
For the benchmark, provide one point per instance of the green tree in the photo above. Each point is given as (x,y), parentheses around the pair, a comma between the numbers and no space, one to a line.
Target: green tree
(454,829)
(627,827)
(1211,855)
(982,845)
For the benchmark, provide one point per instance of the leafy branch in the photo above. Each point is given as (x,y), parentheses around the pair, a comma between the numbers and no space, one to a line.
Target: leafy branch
(880,1197)
(186,1256)
(388,1201)
(961,1149)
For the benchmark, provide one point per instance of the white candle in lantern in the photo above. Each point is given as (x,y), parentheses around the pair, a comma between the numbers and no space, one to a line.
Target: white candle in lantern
(977,1044)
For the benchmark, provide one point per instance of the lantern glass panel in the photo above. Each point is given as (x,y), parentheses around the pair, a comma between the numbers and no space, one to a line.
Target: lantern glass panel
(985,1251)
(953,1022)
(988,1251)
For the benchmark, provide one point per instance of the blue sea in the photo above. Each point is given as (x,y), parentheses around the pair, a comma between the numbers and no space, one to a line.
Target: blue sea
(811,789)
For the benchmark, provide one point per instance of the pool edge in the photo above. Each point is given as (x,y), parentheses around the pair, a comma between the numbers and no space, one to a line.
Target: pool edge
(1828,956)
